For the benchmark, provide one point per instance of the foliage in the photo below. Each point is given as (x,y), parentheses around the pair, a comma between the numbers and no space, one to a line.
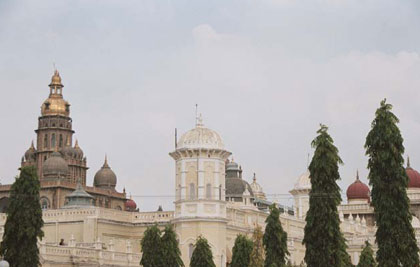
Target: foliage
(202,255)
(257,254)
(275,240)
(171,252)
(325,244)
(241,252)
(151,246)
(366,258)
(24,221)
(387,176)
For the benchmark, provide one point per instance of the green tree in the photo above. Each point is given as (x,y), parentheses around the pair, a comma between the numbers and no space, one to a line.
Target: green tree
(24,221)
(151,246)
(325,244)
(366,258)
(274,240)
(394,236)
(171,252)
(257,254)
(202,255)
(241,251)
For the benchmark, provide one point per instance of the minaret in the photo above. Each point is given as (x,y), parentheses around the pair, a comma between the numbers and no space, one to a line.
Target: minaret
(200,204)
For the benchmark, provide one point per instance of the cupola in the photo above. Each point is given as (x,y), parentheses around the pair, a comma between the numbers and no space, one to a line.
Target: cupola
(55,167)
(30,153)
(358,191)
(105,177)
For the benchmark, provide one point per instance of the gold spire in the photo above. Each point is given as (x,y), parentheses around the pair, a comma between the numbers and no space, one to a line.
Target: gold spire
(56,80)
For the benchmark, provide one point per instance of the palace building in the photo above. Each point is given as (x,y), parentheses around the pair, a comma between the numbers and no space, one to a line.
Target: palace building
(98,226)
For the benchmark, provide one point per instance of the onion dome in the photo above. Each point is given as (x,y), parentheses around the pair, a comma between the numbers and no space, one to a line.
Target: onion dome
(413,176)
(68,151)
(257,188)
(303,182)
(358,190)
(78,150)
(30,153)
(79,198)
(55,104)
(55,166)
(105,177)
(200,137)
(130,205)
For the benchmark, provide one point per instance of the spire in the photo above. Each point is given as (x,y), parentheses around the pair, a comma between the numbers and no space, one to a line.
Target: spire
(254,178)
(199,121)
(105,162)
(32,145)
(357,175)
(408,162)
(76,145)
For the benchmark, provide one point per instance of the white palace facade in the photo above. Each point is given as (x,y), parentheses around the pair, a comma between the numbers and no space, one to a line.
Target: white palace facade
(97,226)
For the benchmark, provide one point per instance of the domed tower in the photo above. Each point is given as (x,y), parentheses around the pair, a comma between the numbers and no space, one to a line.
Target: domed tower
(200,205)
(105,178)
(54,134)
(300,194)
(235,186)
(257,189)
(358,192)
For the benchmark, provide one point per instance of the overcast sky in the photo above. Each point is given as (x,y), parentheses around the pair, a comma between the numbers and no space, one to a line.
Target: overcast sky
(264,73)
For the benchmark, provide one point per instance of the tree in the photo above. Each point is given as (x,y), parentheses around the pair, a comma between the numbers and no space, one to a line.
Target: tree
(24,221)
(275,240)
(241,252)
(171,252)
(202,255)
(151,246)
(387,176)
(366,258)
(257,254)
(325,244)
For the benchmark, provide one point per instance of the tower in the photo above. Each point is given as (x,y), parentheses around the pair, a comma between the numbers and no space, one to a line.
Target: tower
(55,134)
(200,204)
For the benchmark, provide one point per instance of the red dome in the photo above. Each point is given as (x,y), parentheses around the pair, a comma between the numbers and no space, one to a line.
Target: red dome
(413,177)
(358,190)
(130,204)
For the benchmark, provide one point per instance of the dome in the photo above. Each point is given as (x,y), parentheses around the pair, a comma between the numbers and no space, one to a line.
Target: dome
(79,198)
(78,151)
(358,190)
(232,166)
(56,79)
(55,106)
(105,177)
(200,137)
(303,182)
(30,153)
(235,187)
(55,166)
(68,151)
(413,176)
(130,205)
(257,188)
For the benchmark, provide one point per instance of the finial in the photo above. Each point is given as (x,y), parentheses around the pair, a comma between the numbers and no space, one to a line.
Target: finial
(124,190)
(106,162)
(254,178)
(357,175)
(32,144)
(408,162)
(199,121)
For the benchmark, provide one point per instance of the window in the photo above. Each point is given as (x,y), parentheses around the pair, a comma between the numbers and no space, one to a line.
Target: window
(192,191)
(61,141)
(208,191)
(190,250)
(45,204)
(46,140)
(47,105)
(53,140)
(220,192)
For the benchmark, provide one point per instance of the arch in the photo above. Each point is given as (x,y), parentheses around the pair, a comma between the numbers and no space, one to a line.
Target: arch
(45,203)
(208,191)
(46,140)
(4,204)
(190,250)
(60,143)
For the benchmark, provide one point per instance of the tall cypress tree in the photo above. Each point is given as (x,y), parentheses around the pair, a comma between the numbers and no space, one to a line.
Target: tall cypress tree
(171,252)
(257,254)
(24,221)
(366,257)
(274,240)
(394,236)
(151,246)
(325,244)
(202,255)
(241,252)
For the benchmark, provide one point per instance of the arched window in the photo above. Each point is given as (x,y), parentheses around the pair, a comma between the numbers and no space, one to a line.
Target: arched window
(192,191)
(53,140)
(45,203)
(46,140)
(190,250)
(60,144)
(208,191)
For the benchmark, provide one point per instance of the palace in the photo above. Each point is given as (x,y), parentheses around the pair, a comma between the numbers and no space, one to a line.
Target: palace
(98,226)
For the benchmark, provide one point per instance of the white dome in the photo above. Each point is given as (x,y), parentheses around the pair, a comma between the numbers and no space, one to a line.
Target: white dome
(303,182)
(201,137)
(256,187)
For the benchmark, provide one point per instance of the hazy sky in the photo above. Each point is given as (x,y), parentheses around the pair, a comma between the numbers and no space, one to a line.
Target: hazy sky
(264,73)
